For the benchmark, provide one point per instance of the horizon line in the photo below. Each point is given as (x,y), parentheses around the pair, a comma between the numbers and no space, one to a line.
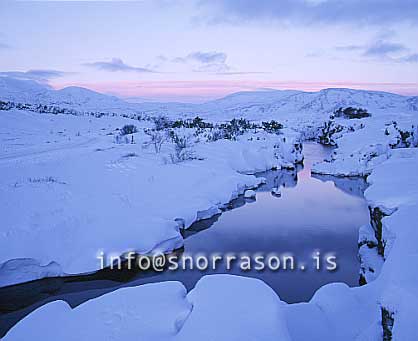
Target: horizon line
(201,91)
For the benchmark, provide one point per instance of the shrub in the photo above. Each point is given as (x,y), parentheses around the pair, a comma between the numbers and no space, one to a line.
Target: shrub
(351,113)
(182,149)
(162,122)
(272,126)
(328,133)
(128,129)
(129,155)
(157,139)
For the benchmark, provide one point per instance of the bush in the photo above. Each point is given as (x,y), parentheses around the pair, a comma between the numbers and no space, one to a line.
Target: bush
(329,132)
(272,126)
(157,139)
(128,129)
(182,149)
(162,122)
(196,122)
(351,113)
(129,155)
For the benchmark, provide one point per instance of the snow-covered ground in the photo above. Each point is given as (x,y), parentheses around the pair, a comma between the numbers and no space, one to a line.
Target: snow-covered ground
(385,150)
(67,191)
(66,185)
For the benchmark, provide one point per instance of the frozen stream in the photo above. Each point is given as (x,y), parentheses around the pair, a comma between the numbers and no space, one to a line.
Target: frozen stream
(312,213)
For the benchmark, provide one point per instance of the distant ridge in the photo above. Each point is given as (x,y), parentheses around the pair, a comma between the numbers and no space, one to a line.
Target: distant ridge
(254,105)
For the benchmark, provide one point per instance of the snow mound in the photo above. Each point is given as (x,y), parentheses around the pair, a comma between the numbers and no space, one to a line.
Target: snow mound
(249,194)
(150,312)
(233,308)
(25,269)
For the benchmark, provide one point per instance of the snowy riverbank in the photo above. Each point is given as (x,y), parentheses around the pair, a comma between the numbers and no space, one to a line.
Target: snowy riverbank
(68,191)
(250,309)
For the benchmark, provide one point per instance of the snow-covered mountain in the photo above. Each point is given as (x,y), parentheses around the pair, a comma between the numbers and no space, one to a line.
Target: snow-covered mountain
(20,91)
(288,104)
(255,105)
(82,99)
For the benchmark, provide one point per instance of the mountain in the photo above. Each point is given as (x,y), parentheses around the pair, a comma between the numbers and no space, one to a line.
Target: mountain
(82,99)
(22,91)
(255,105)
(287,104)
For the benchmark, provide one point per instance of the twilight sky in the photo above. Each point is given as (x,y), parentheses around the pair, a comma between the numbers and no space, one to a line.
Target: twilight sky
(194,50)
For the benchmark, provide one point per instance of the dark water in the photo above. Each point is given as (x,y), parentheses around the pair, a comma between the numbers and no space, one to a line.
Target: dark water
(313,213)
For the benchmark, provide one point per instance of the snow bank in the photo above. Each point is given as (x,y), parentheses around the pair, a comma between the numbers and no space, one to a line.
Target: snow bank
(388,247)
(68,192)
(151,313)
(365,145)
(24,270)
(220,307)
(249,194)
(233,308)
(394,189)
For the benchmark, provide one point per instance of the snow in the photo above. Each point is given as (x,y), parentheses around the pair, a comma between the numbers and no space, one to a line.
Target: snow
(152,313)
(294,107)
(360,151)
(276,191)
(24,270)
(233,308)
(31,92)
(395,187)
(289,105)
(67,191)
(67,186)
(249,194)
(20,91)
(393,190)
(220,307)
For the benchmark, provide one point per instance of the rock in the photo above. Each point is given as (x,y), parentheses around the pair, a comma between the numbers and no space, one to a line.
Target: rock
(276,191)
(249,194)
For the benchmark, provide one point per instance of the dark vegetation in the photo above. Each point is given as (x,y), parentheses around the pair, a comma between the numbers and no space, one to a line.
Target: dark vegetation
(351,113)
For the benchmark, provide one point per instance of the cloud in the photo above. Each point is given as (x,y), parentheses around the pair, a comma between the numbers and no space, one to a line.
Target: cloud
(42,76)
(412,58)
(349,48)
(211,57)
(234,73)
(312,12)
(212,68)
(4,46)
(206,61)
(212,61)
(382,48)
(116,64)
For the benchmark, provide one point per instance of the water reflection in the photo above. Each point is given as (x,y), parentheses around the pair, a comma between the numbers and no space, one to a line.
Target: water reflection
(313,213)
(354,185)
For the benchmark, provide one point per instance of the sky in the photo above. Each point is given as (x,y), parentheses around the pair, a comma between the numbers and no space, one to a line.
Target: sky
(197,50)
